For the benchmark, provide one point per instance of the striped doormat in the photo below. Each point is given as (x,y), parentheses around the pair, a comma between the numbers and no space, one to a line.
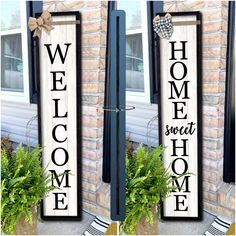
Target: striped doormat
(218,227)
(97,227)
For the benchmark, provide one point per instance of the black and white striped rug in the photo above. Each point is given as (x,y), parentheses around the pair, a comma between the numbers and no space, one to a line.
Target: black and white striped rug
(97,227)
(218,227)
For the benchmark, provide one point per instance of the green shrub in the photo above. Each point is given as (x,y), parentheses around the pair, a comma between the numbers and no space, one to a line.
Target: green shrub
(24,183)
(147,184)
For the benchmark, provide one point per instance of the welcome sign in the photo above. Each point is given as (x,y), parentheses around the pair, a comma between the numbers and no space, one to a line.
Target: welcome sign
(59,115)
(179,109)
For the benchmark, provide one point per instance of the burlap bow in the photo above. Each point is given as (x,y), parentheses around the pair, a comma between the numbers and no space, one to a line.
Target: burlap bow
(163,26)
(43,22)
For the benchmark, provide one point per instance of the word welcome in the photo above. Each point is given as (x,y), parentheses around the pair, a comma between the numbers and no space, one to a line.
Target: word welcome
(60,155)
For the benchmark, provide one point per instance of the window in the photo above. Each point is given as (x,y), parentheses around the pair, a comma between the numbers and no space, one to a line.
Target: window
(137,56)
(14,51)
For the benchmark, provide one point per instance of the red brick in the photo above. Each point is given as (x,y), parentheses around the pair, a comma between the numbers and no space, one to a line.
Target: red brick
(90,76)
(95,209)
(92,121)
(210,196)
(92,187)
(103,52)
(211,176)
(91,39)
(92,177)
(103,195)
(212,165)
(88,164)
(90,144)
(214,4)
(193,5)
(222,76)
(90,64)
(92,111)
(223,52)
(232,198)
(222,194)
(211,76)
(170,7)
(91,27)
(212,154)
(90,52)
(92,154)
(89,196)
(89,132)
(213,99)
(90,15)
(211,52)
(213,110)
(93,87)
(211,65)
(213,87)
(213,132)
(212,27)
(213,122)
(213,143)
(209,186)
(214,39)
(210,15)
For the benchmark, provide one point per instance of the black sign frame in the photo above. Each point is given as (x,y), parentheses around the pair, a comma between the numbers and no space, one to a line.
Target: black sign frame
(199,109)
(77,26)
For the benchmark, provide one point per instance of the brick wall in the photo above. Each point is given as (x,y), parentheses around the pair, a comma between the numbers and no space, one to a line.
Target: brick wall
(218,197)
(96,195)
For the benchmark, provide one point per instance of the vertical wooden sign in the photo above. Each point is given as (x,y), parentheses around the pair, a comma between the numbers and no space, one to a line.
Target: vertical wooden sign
(59,110)
(179,109)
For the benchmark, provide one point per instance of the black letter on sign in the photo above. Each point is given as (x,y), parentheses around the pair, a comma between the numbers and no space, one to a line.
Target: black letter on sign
(57,200)
(52,58)
(56,109)
(66,156)
(177,92)
(55,80)
(184,147)
(54,133)
(185,166)
(185,179)
(182,49)
(59,182)
(178,202)
(178,110)
(172,70)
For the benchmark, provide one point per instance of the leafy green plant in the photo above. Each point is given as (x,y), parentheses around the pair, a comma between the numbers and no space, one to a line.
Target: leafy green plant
(147,184)
(24,183)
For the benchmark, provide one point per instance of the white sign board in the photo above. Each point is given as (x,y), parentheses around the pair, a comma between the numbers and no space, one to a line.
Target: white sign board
(179,111)
(59,115)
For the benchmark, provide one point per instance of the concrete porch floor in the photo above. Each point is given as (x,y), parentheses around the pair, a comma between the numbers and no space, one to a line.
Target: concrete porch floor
(164,227)
(65,228)
(186,227)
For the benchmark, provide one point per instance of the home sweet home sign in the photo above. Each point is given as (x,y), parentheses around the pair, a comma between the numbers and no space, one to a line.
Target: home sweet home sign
(59,110)
(179,109)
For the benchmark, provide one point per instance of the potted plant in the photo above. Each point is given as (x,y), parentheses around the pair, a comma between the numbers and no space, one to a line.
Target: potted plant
(24,183)
(147,185)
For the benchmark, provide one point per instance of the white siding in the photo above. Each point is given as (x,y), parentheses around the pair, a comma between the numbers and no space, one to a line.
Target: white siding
(14,119)
(137,122)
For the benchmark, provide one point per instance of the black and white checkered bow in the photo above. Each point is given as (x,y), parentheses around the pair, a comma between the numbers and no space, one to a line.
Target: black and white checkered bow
(163,26)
